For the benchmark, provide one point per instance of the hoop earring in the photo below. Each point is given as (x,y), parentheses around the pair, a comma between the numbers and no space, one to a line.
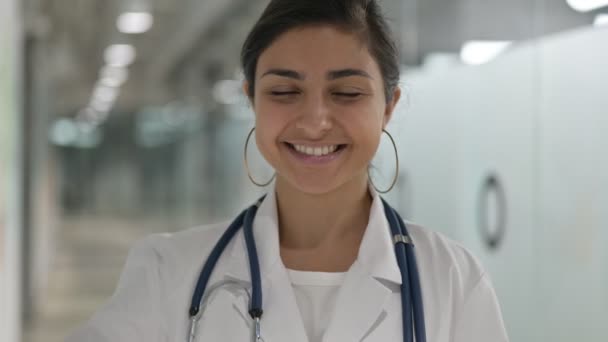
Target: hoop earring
(247,164)
(396,171)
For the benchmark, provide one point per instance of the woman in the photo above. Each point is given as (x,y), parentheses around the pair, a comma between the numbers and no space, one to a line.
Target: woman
(322,79)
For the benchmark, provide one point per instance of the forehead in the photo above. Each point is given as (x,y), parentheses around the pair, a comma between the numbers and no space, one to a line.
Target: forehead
(319,48)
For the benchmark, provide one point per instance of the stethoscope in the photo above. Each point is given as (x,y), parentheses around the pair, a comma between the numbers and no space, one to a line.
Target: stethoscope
(411,294)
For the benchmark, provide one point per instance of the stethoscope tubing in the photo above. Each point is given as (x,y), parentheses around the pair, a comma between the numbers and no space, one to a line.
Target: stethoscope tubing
(411,292)
(255,309)
(416,290)
(209,265)
(400,253)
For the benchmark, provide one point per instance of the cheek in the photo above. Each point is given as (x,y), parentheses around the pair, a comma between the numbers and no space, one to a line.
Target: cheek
(367,130)
(371,141)
(268,127)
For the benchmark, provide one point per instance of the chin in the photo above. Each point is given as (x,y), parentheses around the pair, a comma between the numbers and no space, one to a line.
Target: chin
(314,184)
(310,185)
(314,187)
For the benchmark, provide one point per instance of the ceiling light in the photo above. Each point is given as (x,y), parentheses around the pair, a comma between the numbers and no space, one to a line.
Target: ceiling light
(119,55)
(586,5)
(601,20)
(100,106)
(105,94)
(481,51)
(63,132)
(89,117)
(134,22)
(113,76)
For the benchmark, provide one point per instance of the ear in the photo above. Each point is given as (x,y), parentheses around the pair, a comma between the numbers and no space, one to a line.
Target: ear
(390,106)
(246,91)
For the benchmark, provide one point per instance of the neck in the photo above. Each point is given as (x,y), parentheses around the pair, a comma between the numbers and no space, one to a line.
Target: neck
(321,224)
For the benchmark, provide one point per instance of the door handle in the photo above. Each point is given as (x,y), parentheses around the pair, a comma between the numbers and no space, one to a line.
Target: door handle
(492,186)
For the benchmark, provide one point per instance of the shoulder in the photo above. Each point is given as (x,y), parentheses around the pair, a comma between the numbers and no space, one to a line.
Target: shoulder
(189,240)
(445,260)
(174,254)
(153,285)
(456,282)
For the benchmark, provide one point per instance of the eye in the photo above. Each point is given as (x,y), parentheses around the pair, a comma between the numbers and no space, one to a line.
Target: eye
(349,95)
(283,93)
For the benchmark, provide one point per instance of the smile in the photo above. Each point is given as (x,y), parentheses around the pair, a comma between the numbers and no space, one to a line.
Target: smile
(316,154)
(315,151)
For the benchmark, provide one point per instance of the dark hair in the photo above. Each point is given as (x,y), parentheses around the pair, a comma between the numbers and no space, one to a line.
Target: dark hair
(362,17)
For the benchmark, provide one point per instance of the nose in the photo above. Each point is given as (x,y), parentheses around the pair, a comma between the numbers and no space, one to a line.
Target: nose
(315,119)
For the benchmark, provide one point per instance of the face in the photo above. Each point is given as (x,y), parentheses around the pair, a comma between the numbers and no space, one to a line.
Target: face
(320,108)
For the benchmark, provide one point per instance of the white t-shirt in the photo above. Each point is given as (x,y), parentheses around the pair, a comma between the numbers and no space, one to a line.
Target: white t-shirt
(316,294)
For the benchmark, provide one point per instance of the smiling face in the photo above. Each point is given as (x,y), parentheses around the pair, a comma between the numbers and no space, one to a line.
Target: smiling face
(320,108)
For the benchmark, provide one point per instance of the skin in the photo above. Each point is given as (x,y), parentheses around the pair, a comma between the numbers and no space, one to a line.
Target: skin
(316,86)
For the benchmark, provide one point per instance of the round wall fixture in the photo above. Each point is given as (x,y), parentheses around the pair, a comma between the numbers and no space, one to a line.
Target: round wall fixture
(492,206)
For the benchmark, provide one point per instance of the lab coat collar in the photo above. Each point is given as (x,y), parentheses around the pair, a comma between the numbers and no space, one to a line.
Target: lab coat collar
(266,235)
(376,253)
(353,319)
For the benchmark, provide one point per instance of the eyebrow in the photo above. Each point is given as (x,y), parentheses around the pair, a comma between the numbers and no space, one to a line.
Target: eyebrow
(331,75)
(335,74)
(284,73)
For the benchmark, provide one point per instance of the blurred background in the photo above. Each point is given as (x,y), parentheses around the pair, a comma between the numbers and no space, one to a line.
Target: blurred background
(124,118)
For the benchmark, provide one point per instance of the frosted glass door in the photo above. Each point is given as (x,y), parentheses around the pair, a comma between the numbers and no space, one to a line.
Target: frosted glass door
(429,126)
(573,242)
(498,194)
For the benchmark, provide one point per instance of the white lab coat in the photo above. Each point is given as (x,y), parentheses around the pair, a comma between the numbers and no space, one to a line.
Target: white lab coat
(153,295)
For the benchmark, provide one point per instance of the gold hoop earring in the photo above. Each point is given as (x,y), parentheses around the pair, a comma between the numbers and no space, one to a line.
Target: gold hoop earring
(247,164)
(397,168)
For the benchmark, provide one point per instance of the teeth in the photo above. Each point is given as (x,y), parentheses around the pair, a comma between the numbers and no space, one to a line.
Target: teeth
(316,151)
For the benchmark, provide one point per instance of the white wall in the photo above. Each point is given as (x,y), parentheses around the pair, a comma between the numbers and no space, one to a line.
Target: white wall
(10,241)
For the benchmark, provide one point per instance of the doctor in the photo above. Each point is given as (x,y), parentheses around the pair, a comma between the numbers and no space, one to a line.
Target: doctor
(321,77)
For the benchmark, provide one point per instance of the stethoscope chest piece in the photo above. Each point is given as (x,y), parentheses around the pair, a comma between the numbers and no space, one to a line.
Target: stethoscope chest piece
(257,331)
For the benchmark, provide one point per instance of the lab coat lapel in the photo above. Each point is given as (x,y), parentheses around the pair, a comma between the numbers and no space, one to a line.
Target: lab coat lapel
(359,306)
(369,284)
(281,320)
